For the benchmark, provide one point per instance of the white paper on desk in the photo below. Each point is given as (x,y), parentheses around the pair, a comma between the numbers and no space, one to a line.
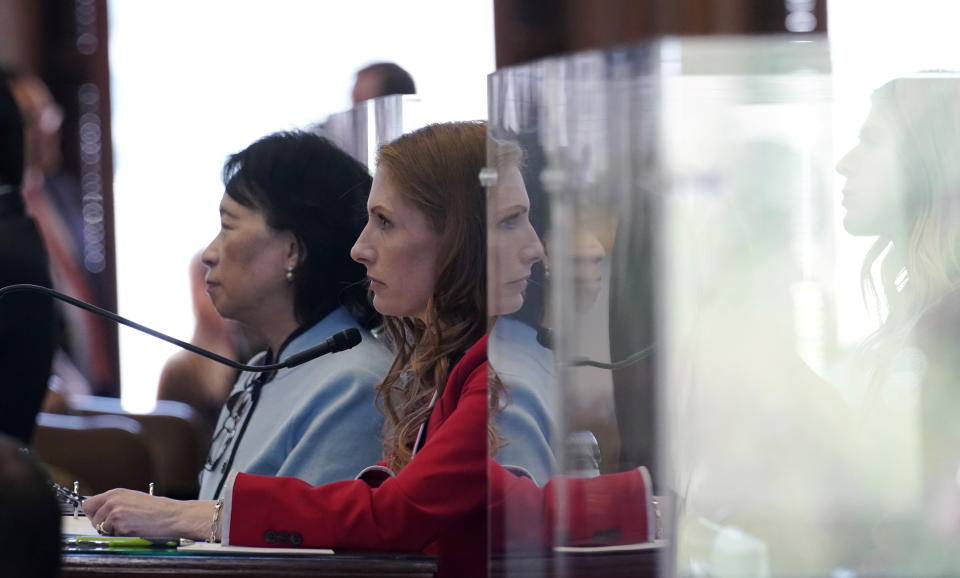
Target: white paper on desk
(80,526)
(216,548)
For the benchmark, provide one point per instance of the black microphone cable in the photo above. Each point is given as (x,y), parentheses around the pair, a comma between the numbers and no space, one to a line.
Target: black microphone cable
(338,342)
(545,338)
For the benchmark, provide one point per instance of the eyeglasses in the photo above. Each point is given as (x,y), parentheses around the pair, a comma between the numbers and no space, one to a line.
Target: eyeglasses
(239,405)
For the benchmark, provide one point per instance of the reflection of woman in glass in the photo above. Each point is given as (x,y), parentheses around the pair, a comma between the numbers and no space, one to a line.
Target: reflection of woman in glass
(903,186)
(521,344)
(527,417)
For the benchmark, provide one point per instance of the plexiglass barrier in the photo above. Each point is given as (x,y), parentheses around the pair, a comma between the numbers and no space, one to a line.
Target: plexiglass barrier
(770,334)
(584,131)
(364,128)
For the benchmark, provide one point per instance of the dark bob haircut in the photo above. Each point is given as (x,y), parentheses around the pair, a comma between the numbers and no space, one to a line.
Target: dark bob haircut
(304,184)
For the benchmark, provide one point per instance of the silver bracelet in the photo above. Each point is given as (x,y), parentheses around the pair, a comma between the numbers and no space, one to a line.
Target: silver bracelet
(217,508)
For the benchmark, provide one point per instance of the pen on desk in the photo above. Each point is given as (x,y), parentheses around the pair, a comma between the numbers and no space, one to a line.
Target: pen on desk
(126,542)
(150,489)
(76,505)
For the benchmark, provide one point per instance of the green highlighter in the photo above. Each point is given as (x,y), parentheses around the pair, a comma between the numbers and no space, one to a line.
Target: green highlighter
(122,542)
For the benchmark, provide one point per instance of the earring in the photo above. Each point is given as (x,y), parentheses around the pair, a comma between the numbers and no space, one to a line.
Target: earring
(289,274)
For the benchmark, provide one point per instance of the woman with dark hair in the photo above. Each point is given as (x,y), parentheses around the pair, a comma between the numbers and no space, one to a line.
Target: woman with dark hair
(281,267)
(430,233)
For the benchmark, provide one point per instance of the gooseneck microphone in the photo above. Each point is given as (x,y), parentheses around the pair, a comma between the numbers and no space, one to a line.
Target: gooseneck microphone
(545,339)
(338,342)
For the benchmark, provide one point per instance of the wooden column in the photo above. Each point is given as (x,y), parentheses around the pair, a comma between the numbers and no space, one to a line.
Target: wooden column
(530,29)
(77,67)
(65,44)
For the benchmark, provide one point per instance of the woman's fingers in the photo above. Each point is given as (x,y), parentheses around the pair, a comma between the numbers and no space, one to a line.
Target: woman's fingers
(117,512)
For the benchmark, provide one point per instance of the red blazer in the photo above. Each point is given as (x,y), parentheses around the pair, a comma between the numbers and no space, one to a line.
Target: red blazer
(439,502)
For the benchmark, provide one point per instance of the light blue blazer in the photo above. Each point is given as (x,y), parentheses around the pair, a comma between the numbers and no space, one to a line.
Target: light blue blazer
(528,421)
(316,421)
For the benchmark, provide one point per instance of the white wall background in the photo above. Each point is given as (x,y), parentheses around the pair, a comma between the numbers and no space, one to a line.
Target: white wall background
(195,81)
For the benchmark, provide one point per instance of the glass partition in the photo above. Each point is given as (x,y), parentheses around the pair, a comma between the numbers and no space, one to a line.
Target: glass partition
(692,314)
(362,129)
(743,278)
(586,129)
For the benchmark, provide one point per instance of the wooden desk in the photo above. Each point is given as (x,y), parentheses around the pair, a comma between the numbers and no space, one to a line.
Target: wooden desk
(100,564)
(624,564)
(632,564)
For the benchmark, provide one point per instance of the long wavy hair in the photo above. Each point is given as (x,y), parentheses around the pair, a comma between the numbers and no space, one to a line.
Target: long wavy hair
(437,169)
(924,112)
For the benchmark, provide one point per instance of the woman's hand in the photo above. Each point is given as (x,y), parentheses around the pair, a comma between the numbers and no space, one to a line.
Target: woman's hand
(130,513)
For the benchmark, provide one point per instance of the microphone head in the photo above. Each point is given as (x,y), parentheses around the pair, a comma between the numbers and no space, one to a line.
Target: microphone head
(345,339)
(337,342)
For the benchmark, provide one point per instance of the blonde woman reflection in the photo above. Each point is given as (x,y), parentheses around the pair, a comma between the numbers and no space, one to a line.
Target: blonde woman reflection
(903,187)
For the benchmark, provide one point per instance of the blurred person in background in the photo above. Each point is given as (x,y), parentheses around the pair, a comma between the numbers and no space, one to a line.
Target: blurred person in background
(30,520)
(373,81)
(381,79)
(27,341)
(53,198)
